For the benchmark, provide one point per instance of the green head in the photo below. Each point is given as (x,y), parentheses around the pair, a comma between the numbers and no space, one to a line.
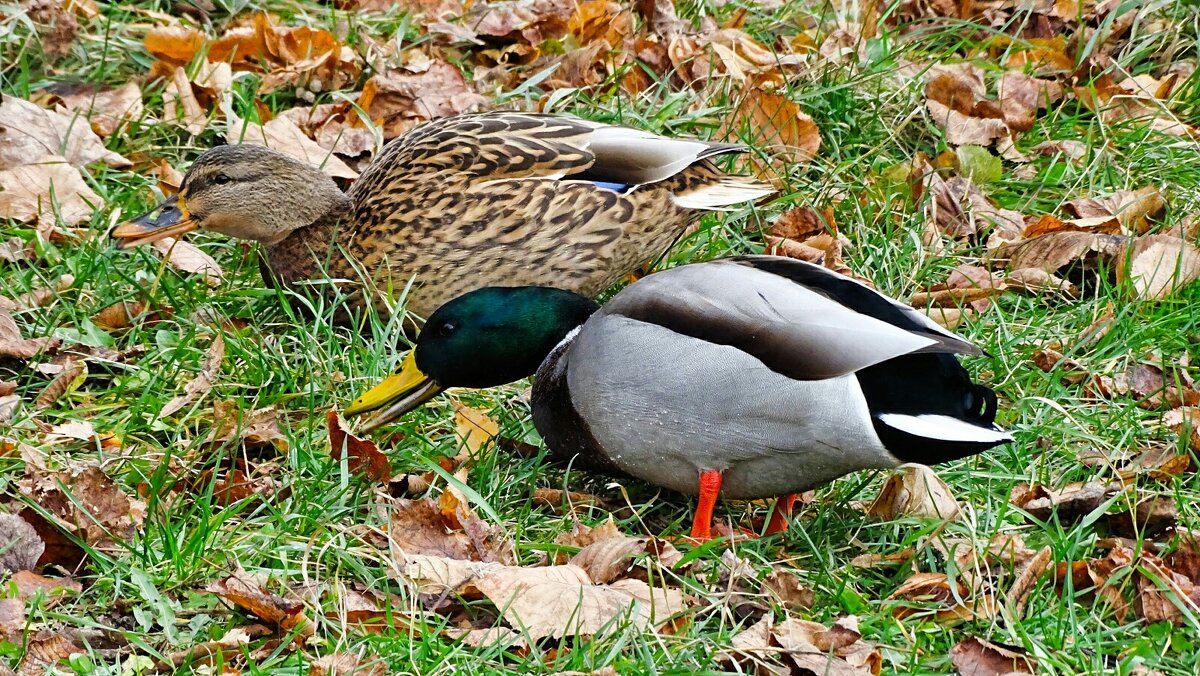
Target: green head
(490,336)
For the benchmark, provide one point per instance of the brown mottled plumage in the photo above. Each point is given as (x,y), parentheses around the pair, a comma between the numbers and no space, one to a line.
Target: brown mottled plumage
(461,203)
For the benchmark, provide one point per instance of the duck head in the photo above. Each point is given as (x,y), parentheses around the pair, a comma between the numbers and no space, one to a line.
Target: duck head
(484,338)
(243,191)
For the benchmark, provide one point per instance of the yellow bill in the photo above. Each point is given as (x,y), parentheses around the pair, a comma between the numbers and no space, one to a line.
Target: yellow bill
(168,219)
(398,394)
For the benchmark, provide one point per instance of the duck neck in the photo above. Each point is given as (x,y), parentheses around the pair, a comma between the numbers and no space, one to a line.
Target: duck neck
(311,251)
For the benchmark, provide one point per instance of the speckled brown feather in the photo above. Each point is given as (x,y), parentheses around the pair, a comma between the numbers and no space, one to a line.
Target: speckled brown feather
(477,200)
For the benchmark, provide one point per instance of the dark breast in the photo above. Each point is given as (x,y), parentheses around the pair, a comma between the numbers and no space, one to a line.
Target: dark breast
(567,435)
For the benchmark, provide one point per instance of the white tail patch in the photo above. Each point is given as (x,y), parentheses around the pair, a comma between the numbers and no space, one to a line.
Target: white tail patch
(723,194)
(944,428)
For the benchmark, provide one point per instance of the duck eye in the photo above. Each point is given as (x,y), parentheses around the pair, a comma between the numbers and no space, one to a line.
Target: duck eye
(447,328)
(221,179)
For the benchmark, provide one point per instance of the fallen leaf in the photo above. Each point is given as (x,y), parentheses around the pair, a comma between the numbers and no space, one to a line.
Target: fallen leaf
(473,428)
(977,657)
(173,43)
(531,21)
(960,209)
(914,491)
(47,191)
(559,601)
(399,101)
(1070,503)
(785,589)
(1050,360)
(30,133)
(14,346)
(187,257)
(1026,577)
(81,501)
(555,499)
(362,455)
(283,135)
(71,378)
(45,650)
(1159,265)
(422,527)
(1056,250)
(248,593)
(203,382)
(1185,421)
(20,546)
(106,108)
(811,647)
(221,651)
(254,429)
(606,559)
(766,117)
(1130,208)
(345,664)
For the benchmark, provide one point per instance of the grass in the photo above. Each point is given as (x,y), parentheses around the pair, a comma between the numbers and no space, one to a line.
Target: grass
(315,533)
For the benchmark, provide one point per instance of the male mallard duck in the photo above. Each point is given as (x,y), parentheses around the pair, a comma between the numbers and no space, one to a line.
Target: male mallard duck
(748,377)
(460,203)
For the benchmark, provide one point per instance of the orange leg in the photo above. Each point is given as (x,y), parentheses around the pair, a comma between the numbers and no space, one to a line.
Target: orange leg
(710,486)
(779,517)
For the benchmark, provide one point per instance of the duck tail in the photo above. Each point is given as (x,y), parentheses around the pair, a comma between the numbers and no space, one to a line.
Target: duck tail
(722,193)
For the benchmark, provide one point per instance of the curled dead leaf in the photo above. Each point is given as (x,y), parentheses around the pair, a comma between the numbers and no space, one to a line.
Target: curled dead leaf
(248,592)
(915,490)
(362,455)
(977,657)
(203,382)
(47,191)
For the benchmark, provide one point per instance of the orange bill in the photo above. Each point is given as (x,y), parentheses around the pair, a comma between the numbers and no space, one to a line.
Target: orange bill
(168,219)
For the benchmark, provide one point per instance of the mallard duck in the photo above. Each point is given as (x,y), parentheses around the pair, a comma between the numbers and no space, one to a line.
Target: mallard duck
(748,377)
(460,203)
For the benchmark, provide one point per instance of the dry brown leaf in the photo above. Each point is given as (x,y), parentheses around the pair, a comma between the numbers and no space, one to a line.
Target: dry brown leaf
(558,601)
(45,650)
(801,223)
(423,527)
(248,593)
(334,127)
(1021,96)
(1167,588)
(1027,576)
(977,657)
(1036,280)
(203,382)
(362,455)
(1130,208)
(106,108)
(530,21)
(82,501)
(572,501)
(813,648)
(14,346)
(30,133)
(914,491)
(1185,421)
(766,118)
(283,135)
(187,257)
(1070,503)
(48,191)
(20,546)
(52,589)
(173,43)
(960,209)
(474,429)
(399,101)
(67,380)
(785,589)
(1050,360)
(1159,265)
(491,636)
(221,651)
(1153,386)
(609,558)
(345,664)
(1053,251)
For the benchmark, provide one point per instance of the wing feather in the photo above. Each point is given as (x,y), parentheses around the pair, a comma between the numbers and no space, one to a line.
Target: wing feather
(806,331)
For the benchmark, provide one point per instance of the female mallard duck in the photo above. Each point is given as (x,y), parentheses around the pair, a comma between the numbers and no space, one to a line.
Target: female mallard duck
(747,377)
(460,203)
